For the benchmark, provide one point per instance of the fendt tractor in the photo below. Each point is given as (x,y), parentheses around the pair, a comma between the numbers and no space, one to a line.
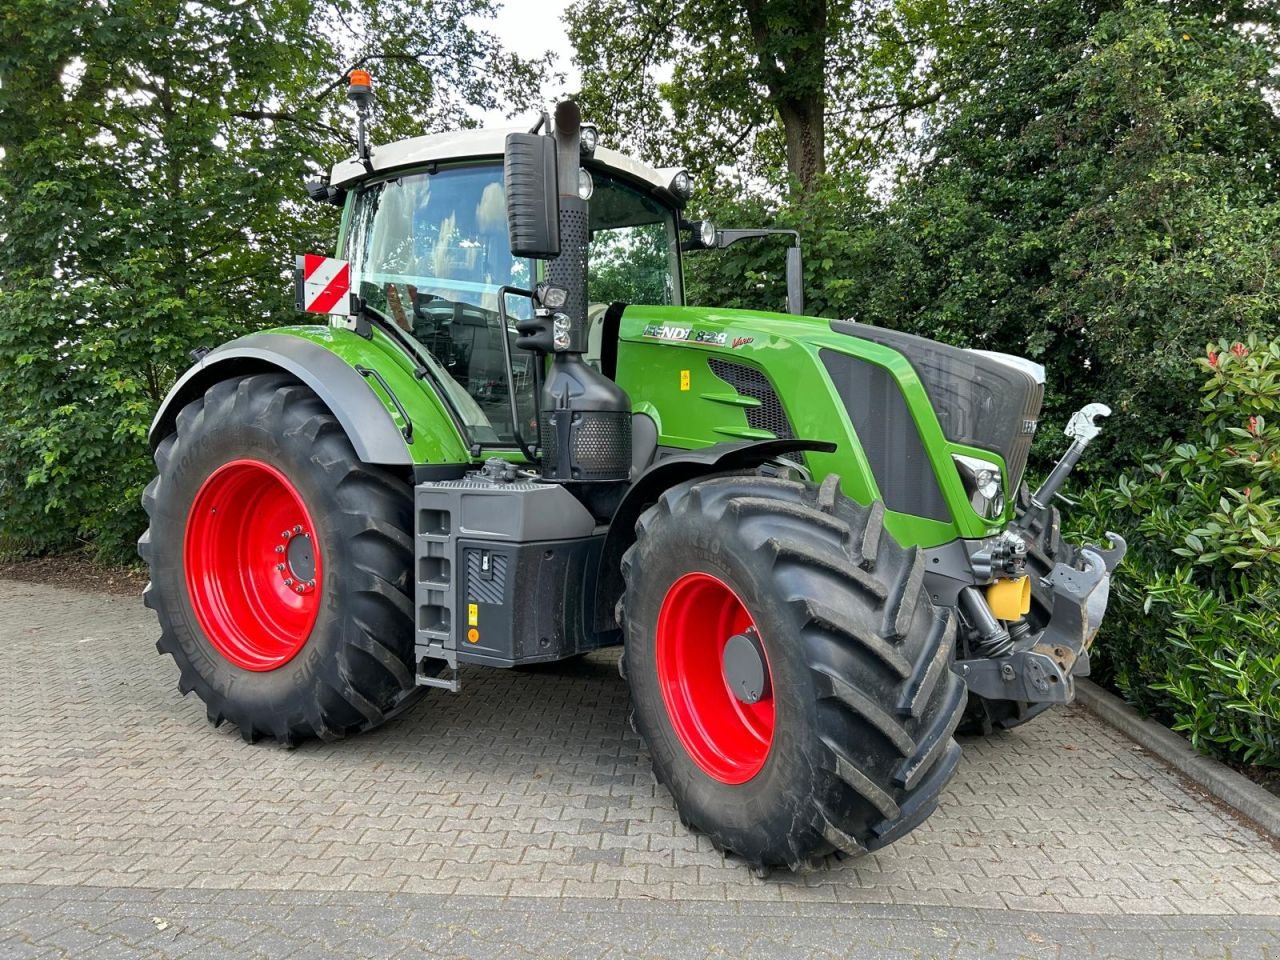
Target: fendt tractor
(510,441)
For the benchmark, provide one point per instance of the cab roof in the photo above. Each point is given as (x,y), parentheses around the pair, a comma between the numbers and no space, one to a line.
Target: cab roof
(460,145)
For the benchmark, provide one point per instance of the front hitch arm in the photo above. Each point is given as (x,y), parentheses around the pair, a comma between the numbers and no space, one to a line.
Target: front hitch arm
(1081,428)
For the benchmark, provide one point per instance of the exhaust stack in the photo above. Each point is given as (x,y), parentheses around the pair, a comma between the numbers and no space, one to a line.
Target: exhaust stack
(584,420)
(569,270)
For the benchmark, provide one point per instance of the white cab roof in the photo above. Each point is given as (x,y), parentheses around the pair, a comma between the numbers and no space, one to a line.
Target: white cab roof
(475,144)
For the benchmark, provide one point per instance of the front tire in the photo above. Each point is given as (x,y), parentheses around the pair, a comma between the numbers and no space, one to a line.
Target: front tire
(280,565)
(840,735)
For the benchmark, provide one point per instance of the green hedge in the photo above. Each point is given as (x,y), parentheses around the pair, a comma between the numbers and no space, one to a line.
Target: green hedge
(1193,633)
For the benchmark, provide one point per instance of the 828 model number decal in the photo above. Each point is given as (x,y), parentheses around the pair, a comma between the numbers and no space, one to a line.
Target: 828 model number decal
(658,331)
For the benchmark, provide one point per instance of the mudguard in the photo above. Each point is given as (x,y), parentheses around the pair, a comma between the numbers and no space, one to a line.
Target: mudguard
(676,467)
(348,394)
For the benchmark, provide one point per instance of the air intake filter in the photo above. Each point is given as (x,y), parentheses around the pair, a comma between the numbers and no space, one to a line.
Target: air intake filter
(586,424)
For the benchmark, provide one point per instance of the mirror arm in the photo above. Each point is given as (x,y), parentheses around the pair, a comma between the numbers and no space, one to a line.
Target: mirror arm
(725,238)
(795,266)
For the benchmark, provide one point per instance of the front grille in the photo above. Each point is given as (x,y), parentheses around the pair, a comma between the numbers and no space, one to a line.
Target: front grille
(1020,449)
(980,401)
(750,382)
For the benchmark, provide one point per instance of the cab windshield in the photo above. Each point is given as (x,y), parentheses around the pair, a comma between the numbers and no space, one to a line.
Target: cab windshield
(430,252)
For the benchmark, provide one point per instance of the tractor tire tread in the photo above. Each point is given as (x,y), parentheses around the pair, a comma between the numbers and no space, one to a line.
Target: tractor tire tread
(871,643)
(372,679)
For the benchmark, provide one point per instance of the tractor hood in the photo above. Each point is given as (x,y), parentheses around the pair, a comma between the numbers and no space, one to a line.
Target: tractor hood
(903,407)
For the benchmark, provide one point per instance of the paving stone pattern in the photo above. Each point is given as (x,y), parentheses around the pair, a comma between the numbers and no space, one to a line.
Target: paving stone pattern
(527,795)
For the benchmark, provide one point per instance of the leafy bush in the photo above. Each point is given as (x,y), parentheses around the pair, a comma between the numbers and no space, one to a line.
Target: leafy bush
(151,202)
(1194,630)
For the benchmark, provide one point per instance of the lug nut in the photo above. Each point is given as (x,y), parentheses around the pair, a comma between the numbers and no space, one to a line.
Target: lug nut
(279,549)
(300,589)
(288,581)
(297,529)
(279,566)
(284,534)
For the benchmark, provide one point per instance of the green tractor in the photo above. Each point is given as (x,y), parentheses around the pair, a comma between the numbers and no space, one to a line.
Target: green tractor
(511,442)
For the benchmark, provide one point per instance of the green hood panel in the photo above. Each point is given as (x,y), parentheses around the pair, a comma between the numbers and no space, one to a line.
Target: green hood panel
(666,359)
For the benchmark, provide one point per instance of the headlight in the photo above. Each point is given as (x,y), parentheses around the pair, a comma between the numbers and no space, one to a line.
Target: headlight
(561,332)
(586,186)
(682,184)
(707,233)
(588,139)
(549,295)
(984,484)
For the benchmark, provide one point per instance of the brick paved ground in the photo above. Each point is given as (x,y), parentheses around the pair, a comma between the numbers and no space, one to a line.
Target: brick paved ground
(520,818)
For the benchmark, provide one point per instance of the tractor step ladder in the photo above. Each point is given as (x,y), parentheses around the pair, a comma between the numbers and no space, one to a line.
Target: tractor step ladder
(435,639)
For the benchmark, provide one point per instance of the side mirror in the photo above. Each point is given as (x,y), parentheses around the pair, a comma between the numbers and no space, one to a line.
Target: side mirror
(795,281)
(533,203)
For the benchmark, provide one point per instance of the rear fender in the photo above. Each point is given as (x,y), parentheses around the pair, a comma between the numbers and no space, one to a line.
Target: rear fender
(662,475)
(378,434)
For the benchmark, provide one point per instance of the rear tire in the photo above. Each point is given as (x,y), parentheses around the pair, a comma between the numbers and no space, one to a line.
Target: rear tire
(852,744)
(251,456)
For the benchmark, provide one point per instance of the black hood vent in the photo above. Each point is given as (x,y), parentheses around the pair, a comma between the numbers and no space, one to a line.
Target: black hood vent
(750,382)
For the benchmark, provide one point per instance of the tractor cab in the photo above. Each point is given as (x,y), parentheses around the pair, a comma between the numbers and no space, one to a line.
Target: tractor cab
(426,235)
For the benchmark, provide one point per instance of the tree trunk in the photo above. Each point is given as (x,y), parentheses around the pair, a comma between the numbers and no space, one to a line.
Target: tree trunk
(790,40)
(804,125)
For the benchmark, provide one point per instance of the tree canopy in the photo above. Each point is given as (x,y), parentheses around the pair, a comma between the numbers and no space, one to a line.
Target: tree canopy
(151,201)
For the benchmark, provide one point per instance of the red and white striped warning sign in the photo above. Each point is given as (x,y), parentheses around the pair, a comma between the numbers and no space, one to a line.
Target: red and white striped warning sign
(323,284)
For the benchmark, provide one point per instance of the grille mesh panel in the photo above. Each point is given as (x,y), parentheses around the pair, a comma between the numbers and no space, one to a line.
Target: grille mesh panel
(601,445)
(750,382)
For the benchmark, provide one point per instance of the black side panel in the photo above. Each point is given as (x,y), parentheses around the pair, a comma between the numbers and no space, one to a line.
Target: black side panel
(888,435)
(979,401)
(750,382)
(612,323)
(527,602)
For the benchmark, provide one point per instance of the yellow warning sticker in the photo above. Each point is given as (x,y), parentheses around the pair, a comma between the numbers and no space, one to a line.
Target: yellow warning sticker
(473,614)
(684,379)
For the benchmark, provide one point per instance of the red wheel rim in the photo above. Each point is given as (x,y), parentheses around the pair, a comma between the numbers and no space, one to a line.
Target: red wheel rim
(253,565)
(728,739)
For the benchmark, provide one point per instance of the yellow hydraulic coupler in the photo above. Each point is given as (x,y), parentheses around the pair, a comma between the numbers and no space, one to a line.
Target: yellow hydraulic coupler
(1010,599)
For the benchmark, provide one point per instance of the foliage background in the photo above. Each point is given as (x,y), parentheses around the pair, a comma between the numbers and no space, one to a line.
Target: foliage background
(1090,183)
(151,201)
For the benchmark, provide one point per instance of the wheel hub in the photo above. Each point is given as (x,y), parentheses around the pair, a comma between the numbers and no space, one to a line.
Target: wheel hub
(252,565)
(714,675)
(745,670)
(299,567)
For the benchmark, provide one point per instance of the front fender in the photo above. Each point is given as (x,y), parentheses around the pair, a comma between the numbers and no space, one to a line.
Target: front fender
(382,430)
(664,474)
